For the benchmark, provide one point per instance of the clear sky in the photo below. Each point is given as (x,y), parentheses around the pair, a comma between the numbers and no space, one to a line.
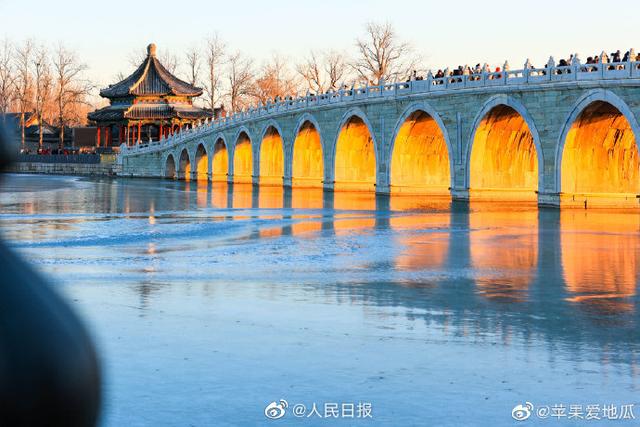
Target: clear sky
(446,33)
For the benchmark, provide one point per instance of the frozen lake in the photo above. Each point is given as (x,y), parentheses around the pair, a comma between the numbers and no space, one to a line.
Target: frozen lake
(207,303)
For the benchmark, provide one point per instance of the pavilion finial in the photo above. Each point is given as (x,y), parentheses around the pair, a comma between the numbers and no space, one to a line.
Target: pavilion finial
(151,49)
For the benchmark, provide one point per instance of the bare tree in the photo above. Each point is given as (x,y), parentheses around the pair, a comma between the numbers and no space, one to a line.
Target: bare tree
(214,56)
(71,90)
(241,81)
(170,61)
(311,72)
(7,77)
(323,72)
(381,56)
(24,95)
(336,67)
(275,81)
(193,59)
(43,87)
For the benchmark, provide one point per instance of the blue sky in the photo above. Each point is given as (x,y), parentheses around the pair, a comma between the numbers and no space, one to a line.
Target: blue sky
(446,33)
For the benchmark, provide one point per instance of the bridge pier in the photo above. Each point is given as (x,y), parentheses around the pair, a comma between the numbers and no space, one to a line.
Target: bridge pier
(551,200)
(461,194)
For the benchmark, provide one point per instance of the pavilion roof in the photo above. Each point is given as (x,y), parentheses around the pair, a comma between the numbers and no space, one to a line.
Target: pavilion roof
(153,111)
(151,78)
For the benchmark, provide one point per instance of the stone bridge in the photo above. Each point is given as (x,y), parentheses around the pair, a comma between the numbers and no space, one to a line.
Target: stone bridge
(558,135)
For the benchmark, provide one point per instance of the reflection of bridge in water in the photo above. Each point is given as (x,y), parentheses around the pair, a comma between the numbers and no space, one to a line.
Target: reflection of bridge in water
(520,270)
(512,252)
(556,135)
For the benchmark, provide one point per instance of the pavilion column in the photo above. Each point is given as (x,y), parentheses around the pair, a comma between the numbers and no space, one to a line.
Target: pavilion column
(98,137)
(139,132)
(107,136)
(120,134)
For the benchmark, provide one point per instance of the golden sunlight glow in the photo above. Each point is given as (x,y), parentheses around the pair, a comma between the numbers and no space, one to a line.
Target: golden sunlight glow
(600,157)
(220,195)
(202,164)
(271,158)
(242,197)
(423,236)
(346,222)
(600,258)
(271,197)
(202,193)
(355,162)
(220,166)
(185,165)
(420,160)
(303,199)
(243,160)
(504,162)
(504,250)
(308,166)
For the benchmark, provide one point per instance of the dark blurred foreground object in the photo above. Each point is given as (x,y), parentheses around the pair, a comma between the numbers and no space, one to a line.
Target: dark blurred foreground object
(49,374)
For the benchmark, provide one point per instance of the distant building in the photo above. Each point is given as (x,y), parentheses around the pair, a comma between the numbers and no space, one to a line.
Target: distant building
(149,105)
(50,134)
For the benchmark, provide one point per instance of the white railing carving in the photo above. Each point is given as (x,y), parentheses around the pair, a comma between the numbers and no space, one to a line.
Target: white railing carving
(526,76)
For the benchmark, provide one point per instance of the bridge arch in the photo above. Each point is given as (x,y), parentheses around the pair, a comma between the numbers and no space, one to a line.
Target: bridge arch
(169,164)
(243,157)
(220,160)
(184,165)
(597,153)
(307,158)
(202,163)
(271,154)
(355,154)
(420,153)
(504,153)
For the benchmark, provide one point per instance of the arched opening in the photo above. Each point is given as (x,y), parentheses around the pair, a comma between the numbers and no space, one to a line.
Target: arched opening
(220,162)
(420,159)
(355,160)
(185,166)
(308,164)
(202,163)
(170,167)
(271,158)
(243,160)
(504,160)
(600,158)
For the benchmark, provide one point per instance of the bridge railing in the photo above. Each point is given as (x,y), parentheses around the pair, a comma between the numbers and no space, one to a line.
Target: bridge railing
(526,76)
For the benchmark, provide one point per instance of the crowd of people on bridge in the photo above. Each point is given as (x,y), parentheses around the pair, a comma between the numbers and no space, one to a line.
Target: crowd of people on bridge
(615,59)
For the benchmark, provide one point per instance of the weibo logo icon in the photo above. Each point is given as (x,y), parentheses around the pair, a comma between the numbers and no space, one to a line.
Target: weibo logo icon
(276,410)
(522,412)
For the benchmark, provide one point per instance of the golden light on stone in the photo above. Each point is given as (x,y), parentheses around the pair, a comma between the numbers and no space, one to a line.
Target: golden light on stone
(355,162)
(271,158)
(243,160)
(308,165)
(185,165)
(420,160)
(600,158)
(202,164)
(504,162)
(220,162)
